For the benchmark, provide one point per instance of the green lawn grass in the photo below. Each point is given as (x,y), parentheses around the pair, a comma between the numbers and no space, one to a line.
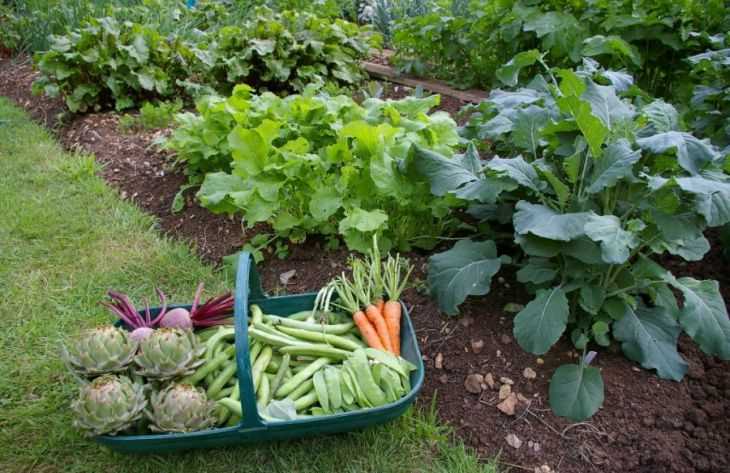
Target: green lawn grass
(65,239)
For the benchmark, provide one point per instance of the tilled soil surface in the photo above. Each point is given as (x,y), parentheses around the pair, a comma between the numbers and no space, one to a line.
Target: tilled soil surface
(646,424)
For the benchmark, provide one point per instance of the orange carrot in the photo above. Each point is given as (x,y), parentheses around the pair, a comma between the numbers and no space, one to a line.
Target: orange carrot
(368,332)
(391,314)
(378,321)
(380,304)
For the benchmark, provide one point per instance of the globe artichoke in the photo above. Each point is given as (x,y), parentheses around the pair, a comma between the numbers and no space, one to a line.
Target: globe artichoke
(108,405)
(181,408)
(99,351)
(169,353)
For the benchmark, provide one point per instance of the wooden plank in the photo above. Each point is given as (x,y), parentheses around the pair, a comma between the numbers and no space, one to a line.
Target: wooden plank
(384,72)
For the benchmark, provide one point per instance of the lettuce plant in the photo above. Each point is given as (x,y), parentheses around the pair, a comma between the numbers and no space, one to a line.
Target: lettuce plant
(596,187)
(318,164)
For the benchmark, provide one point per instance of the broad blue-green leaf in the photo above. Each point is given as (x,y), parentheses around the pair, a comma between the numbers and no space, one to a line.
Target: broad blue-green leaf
(693,249)
(460,175)
(704,315)
(518,170)
(363,220)
(542,221)
(541,323)
(576,391)
(693,154)
(615,163)
(616,243)
(537,271)
(464,270)
(591,298)
(325,202)
(662,117)
(611,45)
(592,128)
(712,198)
(509,73)
(606,105)
(526,126)
(649,337)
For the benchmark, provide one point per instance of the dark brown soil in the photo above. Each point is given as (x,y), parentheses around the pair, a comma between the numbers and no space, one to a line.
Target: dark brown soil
(647,425)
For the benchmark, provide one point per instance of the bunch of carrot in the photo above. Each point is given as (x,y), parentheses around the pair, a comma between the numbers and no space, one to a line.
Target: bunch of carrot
(362,296)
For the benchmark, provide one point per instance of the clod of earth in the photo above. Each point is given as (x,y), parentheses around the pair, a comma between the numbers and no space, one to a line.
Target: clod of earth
(505,380)
(286,276)
(506,339)
(508,405)
(477,346)
(473,383)
(504,391)
(529,373)
(513,441)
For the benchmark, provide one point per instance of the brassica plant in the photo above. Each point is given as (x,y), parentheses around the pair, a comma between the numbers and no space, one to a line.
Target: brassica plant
(596,187)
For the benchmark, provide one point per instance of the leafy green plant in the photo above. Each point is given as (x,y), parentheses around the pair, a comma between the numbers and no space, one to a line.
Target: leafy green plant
(108,63)
(284,51)
(318,164)
(650,38)
(710,103)
(595,187)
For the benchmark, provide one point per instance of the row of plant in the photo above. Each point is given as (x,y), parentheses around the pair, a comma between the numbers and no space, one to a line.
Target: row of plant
(597,183)
(111,62)
(318,164)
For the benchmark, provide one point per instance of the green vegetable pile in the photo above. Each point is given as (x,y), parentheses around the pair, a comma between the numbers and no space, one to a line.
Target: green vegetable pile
(315,363)
(319,164)
(595,187)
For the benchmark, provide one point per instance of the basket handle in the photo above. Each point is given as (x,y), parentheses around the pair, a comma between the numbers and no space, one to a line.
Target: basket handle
(247,284)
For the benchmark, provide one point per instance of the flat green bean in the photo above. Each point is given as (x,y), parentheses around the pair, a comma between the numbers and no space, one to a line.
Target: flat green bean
(300,377)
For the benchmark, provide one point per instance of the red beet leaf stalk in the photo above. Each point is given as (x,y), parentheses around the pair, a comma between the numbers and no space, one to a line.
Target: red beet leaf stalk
(141,326)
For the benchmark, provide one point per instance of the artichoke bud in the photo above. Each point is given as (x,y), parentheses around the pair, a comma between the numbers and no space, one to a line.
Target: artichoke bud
(181,408)
(108,405)
(100,350)
(169,353)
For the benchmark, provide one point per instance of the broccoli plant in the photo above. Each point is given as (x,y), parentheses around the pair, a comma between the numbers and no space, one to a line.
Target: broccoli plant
(596,187)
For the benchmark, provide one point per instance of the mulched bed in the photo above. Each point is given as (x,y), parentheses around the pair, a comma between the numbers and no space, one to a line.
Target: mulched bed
(646,424)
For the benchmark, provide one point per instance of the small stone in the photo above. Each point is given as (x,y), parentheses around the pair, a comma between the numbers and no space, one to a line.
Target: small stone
(507,285)
(489,380)
(634,368)
(508,405)
(438,362)
(540,361)
(500,280)
(505,380)
(504,391)
(536,447)
(286,276)
(513,441)
(522,398)
(543,469)
(443,379)
(499,352)
(466,321)
(506,339)
(477,346)
(529,373)
(473,383)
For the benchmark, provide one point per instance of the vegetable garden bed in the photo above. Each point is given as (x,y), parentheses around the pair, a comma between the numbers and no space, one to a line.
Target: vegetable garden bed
(646,424)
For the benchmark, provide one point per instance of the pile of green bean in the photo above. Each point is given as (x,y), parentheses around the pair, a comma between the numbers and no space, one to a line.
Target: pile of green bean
(320,366)
(218,374)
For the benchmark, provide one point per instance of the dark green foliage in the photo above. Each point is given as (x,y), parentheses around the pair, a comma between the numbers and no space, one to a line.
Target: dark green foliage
(597,186)
(649,38)
(109,63)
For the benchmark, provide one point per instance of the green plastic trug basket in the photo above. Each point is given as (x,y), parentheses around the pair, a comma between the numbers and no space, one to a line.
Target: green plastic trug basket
(252,428)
